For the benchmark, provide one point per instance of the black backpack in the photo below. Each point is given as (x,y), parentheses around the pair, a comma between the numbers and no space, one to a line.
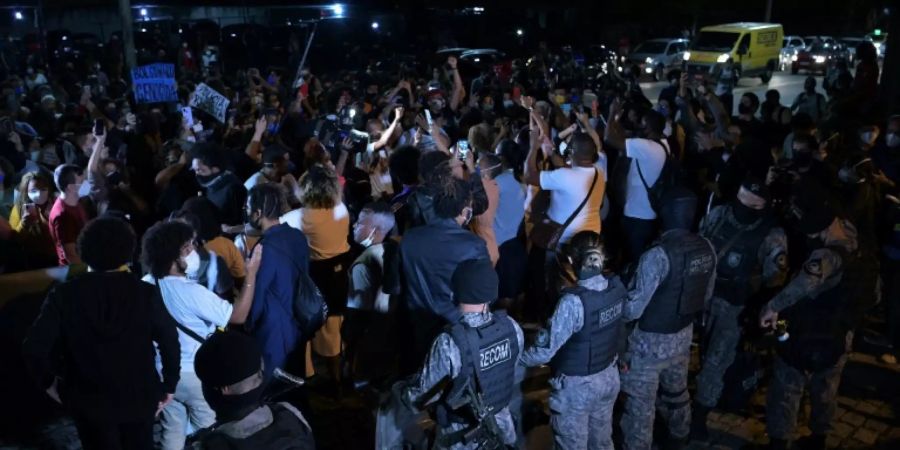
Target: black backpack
(309,307)
(669,177)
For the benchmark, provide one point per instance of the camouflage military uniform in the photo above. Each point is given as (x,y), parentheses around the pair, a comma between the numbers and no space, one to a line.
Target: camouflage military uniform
(442,365)
(580,406)
(657,363)
(723,330)
(821,272)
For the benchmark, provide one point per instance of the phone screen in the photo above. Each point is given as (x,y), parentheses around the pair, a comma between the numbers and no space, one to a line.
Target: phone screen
(428,118)
(99,127)
(188,116)
(463,146)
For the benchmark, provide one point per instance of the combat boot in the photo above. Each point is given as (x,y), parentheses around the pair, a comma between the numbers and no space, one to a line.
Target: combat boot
(699,430)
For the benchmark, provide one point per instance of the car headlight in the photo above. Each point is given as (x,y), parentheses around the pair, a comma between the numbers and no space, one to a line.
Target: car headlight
(723,57)
(649,60)
(819,59)
(794,57)
(687,56)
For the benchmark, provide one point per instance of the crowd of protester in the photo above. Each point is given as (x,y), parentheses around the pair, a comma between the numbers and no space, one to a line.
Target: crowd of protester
(417,204)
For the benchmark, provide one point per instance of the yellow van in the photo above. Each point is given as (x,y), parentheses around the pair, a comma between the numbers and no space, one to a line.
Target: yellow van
(755,48)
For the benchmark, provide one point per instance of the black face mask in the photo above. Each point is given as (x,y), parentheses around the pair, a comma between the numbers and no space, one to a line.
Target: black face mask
(233,407)
(744,109)
(205,179)
(745,214)
(803,159)
(113,179)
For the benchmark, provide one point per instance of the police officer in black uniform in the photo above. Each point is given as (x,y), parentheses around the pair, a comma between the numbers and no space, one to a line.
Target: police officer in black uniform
(471,371)
(229,366)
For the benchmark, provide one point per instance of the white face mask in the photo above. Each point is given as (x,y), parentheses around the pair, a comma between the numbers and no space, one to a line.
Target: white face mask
(36,155)
(84,189)
(892,140)
(867,137)
(367,242)
(667,131)
(38,197)
(192,262)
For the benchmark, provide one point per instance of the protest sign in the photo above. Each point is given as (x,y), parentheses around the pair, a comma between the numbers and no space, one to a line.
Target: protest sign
(154,83)
(206,99)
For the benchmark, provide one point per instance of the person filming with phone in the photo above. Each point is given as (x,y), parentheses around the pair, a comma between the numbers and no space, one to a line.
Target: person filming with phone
(30,219)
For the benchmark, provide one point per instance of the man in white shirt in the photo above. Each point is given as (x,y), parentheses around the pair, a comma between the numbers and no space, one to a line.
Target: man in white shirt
(648,156)
(274,167)
(168,254)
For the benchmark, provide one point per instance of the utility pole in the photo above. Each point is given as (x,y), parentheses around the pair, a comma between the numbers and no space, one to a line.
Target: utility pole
(127,36)
(769,10)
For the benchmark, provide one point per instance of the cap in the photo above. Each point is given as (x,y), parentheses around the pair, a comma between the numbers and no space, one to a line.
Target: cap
(273,154)
(227,358)
(474,282)
(756,187)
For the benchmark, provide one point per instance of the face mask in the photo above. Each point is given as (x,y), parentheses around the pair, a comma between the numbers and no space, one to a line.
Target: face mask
(663,109)
(744,109)
(273,128)
(205,179)
(745,214)
(487,106)
(468,213)
(232,407)
(892,140)
(35,155)
(667,131)
(38,197)
(559,99)
(508,103)
(866,137)
(192,262)
(84,189)
(367,242)
(114,178)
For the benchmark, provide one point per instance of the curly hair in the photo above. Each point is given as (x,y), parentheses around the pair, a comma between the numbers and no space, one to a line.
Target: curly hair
(267,198)
(106,243)
(451,196)
(586,249)
(320,188)
(162,246)
(314,153)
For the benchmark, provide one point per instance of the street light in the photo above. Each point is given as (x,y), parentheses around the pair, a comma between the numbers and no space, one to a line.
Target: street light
(18,15)
(337,9)
(519,32)
(374,25)
(143,12)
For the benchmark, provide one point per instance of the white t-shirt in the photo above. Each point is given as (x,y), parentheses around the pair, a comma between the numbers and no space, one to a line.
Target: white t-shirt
(569,186)
(194,307)
(652,158)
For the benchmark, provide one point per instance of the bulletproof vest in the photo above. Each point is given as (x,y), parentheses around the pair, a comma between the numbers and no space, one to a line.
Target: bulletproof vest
(593,348)
(682,293)
(738,272)
(285,432)
(488,355)
(818,326)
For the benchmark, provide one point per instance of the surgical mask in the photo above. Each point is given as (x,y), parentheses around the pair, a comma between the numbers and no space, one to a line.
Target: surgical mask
(508,103)
(866,137)
(192,262)
(367,242)
(38,197)
(35,155)
(559,99)
(667,131)
(745,214)
(892,140)
(663,109)
(84,189)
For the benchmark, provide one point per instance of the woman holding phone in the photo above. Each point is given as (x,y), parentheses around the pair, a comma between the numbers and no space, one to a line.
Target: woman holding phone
(29,218)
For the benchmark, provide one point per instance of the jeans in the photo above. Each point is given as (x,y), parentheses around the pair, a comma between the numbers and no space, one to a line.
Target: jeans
(638,234)
(187,405)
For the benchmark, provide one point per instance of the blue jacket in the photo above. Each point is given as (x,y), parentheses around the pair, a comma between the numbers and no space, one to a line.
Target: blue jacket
(271,321)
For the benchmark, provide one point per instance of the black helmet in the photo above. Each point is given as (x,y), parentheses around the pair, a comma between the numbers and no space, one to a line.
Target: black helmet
(679,206)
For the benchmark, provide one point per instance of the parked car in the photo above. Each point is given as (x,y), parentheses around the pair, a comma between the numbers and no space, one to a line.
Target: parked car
(818,56)
(657,56)
(791,45)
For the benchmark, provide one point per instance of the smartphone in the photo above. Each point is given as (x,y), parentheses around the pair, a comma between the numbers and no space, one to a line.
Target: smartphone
(99,127)
(29,207)
(462,146)
(188,116)
(428,119)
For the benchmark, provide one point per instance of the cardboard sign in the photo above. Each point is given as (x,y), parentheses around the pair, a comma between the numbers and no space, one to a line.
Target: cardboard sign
(154,83)
(206,99)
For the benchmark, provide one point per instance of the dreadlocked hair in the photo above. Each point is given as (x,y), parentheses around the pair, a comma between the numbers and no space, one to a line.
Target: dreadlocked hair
(451,196)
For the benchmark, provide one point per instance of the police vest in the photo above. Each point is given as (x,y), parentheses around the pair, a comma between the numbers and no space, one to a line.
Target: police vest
(285,432)
(682,293)
(818,326)
(738,272)
(594,347)
(488,354)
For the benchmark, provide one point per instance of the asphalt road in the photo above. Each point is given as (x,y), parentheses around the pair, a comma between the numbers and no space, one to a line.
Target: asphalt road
(788,85)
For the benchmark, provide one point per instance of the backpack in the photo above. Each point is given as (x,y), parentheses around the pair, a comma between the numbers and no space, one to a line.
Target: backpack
(309,307)
(667,180)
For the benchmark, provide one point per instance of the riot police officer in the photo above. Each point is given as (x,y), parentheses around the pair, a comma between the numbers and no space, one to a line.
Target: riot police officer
(581,342)
(674,279)
(820,311)
(752,253)
(229,366)
(479,356)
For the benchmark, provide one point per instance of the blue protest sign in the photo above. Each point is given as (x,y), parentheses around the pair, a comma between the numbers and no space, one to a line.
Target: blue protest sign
(154,83)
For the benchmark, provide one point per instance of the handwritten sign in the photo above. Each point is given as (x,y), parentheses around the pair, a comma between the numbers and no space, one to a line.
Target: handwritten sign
(154,83)
(206,99)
